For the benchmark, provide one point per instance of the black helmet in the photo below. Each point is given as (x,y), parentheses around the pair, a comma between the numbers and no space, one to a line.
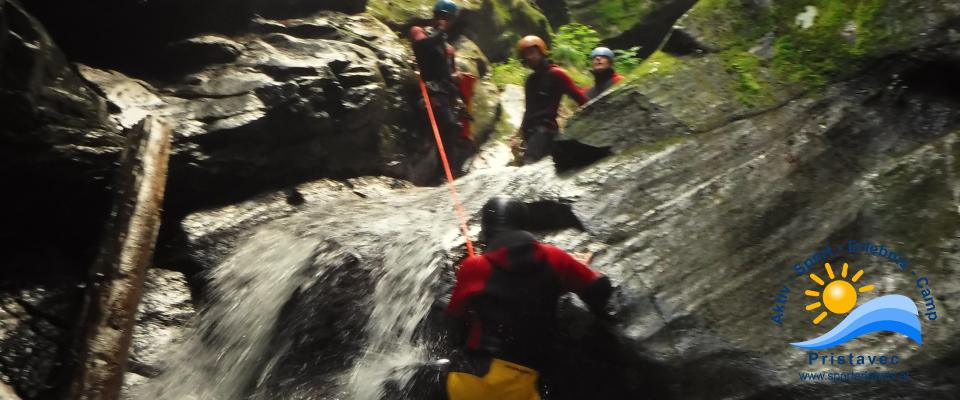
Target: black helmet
(501,214)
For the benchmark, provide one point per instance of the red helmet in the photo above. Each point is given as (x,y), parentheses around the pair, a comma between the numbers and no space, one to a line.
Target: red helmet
(532,41)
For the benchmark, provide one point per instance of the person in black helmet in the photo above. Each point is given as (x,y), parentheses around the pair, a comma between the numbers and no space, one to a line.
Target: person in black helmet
(436,60)
(507,298)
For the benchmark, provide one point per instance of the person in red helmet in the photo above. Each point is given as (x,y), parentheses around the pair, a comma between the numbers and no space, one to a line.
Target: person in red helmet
(544,88)
(436,59)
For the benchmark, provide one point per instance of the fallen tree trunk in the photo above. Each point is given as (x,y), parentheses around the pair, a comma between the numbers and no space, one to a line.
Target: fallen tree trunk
(116,283)
(7,393)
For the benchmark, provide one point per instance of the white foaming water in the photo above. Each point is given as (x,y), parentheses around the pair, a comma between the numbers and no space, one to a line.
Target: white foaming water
(229,351)
(402,299)
(226,347)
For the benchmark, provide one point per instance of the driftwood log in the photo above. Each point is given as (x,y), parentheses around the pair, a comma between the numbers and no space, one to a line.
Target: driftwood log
(7,393)
(116,282)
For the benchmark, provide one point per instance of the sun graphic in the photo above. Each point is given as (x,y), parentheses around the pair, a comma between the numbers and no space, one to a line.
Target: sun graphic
(839,296)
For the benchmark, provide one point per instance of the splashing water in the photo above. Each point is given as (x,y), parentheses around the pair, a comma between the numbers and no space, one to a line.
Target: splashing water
(232,352)
(402,299)
(230,346)
(248,290)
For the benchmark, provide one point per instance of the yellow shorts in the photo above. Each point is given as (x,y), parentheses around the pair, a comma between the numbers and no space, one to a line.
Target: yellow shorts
(504,381)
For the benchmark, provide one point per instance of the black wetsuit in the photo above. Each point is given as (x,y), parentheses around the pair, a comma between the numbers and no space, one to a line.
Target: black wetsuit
(543,89)
(602,81)
(436,61)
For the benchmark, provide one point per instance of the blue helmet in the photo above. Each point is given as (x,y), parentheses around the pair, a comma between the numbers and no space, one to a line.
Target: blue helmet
(446,7)
(602,51)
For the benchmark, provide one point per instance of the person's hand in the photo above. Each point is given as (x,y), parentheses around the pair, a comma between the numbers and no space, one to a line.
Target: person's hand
(583,257)
(516,148)
(515,140)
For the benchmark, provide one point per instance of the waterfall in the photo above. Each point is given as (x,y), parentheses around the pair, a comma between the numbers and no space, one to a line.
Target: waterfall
(402,299)
(230,340)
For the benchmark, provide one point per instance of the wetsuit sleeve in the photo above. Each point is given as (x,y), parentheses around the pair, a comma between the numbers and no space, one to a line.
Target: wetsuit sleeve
(617,78)
(574,275)
(591,286)
(569,87)
(422,37)
(471,279)
(417,33)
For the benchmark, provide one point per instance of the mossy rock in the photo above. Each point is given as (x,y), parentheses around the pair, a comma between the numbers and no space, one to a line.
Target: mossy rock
(813,42)
(495,25)
(610,17)
(670,96)
(764,54)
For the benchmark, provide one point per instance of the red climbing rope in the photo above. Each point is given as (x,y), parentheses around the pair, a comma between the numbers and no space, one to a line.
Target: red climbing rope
(446,168)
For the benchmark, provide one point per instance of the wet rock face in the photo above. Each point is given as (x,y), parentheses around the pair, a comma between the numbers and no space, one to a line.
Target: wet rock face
(294,8)
(296,100)
(699,234)
(817,170)
(317,350)
(55,143)
(128,34)
(36,331)
(495,25)
(57,149)
(556,11)
(162,319)
(208,236)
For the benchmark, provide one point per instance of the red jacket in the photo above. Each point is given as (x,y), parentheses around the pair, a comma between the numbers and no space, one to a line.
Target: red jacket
(508,295)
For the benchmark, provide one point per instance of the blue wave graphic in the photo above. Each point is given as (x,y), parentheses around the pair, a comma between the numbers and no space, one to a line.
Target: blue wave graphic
(893,313)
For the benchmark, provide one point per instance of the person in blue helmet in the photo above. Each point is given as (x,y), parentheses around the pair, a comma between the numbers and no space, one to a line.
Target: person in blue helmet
(436,60)
(604,74)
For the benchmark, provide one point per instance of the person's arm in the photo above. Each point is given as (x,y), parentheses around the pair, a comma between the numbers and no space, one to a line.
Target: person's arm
(471,279)
(591,286)
(419,34)
(569,87)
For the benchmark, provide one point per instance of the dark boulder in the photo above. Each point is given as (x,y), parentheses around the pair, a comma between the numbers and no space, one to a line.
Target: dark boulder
(57,150)
(297,100)
(495,25)
(128,34)
(299,8)
(556,11)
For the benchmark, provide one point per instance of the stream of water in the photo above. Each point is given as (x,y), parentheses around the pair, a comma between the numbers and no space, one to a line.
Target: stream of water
(229,351)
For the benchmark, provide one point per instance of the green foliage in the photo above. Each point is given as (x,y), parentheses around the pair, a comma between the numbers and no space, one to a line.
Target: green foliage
(511,72)
(570,49)
(572,45)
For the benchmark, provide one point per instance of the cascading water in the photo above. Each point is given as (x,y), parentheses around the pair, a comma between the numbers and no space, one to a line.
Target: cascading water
(402,299)
(231,339)
(232,349)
